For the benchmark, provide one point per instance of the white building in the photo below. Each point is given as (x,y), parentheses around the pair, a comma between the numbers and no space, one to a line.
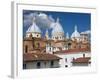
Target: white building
(55,53)
(34,55)
(40,60)
(77,57)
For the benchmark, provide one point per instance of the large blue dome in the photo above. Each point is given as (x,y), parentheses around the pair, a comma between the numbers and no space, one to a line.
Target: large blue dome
(57,28)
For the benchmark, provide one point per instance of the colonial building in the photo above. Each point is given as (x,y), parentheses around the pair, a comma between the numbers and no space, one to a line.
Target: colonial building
(74,57)
(56,50)
(34,50)
(40,60)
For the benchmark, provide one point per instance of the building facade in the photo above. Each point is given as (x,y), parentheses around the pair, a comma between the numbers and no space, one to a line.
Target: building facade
(75,57)
(56,50)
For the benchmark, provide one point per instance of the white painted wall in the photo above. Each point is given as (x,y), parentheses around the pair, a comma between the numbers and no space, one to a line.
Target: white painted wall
(33,64)
(34,35)
(49,49)
(70,58)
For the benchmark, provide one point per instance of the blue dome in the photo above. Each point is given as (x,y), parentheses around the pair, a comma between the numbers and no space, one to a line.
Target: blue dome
(33,28)
(57,28)
(75,34)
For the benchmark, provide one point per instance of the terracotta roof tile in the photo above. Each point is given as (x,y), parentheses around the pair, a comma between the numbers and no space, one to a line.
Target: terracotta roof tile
(81,60)
(36,56)
(33,38)
(71,51)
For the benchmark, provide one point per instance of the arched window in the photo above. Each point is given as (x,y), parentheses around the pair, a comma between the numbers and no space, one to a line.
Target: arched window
(52,63)
(69,45)
(65,59)
(33,45)
(37,35)
(26,49)
(38,64)
(84,55)
(56,37)
(38,45)
(50,49)
(24,66)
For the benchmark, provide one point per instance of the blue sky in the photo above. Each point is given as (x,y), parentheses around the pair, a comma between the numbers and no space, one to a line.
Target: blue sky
(67,19)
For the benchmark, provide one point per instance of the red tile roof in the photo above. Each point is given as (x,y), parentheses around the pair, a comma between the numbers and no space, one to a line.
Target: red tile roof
(81,60)
(39,56)
(71,51)
(60,41)
(33,38)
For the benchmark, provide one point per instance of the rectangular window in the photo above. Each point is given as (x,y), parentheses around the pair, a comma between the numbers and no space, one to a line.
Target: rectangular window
(24,66)
(50,49)
(26,49)
(66,60)
(38,64)
(52,63)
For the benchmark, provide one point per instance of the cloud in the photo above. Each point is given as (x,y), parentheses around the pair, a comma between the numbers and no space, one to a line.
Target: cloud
(52,25)
(87,32)
(42,20)
(28,19)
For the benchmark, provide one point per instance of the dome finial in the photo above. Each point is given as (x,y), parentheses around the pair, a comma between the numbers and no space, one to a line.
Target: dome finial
(57,20)
(33,28)
(75,27)
(33,19)
(75,34)
(57,27)
(67,35)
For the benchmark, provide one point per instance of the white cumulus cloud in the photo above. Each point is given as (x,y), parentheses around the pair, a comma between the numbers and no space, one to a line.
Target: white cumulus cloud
(42,20)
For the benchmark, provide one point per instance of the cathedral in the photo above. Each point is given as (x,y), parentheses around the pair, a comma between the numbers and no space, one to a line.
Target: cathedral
(57,50)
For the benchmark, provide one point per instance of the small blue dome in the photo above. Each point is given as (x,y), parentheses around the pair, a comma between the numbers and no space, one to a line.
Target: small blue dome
(75,34)
(33,28)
